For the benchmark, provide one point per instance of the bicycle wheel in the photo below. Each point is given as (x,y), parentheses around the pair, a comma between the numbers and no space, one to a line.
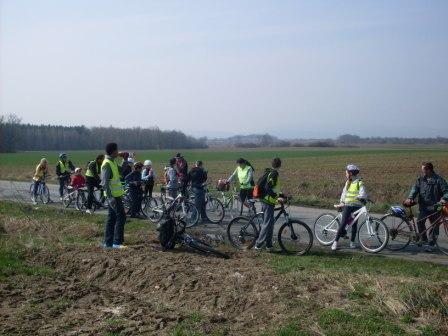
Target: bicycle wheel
(373,235)
(214,210)
(81,200)
(325,228)
(242,233)
(295,237)
(67,199)
(45,194)
(400,232)
(148,203)
(442,239)
(188,212)
(202,246)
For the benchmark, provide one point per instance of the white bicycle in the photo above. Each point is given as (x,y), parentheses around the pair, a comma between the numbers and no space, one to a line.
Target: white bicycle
(373,234)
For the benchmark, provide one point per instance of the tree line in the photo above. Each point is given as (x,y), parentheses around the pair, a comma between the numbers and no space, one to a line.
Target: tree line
(16,136)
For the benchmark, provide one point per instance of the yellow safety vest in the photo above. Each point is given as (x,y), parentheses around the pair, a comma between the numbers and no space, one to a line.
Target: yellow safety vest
(116,187)
(64,167)
(89,172)
(269,199)
(352,193)
(243,174)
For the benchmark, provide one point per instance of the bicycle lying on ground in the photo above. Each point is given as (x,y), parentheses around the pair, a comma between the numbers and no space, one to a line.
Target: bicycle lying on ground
(43,193)
(172,232)
(373,234)
(403,227)
(294,236)
(183,208)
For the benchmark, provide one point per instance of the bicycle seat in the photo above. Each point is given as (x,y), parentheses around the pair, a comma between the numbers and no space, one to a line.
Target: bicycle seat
(251,200)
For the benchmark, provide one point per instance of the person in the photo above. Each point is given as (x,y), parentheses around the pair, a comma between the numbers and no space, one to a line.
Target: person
(353,193)
(134,182)
(148,178)
(78,181)
(430,188)
(40,175)
(245,174)
(113,190)
(126,167)
(271,196)
(172,184)
(198,177)
(182,173)
(63,170)
(93,180)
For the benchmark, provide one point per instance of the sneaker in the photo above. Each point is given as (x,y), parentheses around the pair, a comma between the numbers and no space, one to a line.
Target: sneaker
(429,248)
(334,246)
(33,200)
(61,198)
(269,249)
(88,211)
(353,245)
(103,245)
(119,247)
(258,248)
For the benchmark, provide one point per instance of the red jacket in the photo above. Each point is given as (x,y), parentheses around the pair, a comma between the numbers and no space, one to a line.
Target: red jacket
(78,181)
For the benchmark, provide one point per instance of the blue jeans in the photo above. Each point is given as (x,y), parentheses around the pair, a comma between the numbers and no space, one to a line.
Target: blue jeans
(267,228)
(116,217)
(199,201)
(36,185)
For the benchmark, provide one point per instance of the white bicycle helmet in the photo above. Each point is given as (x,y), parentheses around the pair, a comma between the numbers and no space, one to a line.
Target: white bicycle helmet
(147,163)
(352,168)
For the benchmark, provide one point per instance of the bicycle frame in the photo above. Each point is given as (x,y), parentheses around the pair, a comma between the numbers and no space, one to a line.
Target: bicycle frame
(417,236)
(358,213)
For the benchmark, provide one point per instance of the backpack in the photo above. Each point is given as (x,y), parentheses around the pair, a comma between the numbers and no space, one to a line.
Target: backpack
(259,189)
(167,234)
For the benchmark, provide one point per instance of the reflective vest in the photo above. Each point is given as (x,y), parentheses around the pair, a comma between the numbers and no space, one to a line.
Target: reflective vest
(64,167)
(89,173)
(352,193)
(276,187)
(243,174)
(115,185)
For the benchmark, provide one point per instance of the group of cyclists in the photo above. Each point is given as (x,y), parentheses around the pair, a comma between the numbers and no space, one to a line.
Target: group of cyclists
(112,177)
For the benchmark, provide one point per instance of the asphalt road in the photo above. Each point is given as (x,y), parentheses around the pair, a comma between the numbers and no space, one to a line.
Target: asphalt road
(19,191)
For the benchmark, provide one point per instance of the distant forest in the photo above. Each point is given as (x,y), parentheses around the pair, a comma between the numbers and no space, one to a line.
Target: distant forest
(15,136)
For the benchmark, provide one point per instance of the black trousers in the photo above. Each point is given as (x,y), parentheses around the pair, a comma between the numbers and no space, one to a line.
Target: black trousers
(423,216)
(148,188)
(245,194)
(346,213)
(91,183)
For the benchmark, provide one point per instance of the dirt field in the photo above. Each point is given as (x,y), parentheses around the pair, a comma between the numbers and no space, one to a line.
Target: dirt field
(56,280)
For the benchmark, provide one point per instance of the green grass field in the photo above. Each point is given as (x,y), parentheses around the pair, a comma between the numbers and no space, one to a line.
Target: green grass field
(312,176)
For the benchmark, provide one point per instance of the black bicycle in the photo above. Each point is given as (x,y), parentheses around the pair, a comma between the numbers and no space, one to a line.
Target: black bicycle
(294,236)
(172,232)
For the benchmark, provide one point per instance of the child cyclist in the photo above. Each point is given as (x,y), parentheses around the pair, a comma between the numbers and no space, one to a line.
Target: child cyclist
(351,200)
(78,181)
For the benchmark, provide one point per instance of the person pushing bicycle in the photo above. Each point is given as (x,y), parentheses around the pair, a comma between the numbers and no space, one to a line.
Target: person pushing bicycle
(270,195)
(353,193)
(39,176)
(430,188)
(245,174)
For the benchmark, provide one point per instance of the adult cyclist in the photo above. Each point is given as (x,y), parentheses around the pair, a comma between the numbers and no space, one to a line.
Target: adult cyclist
(245,174)
(63,170)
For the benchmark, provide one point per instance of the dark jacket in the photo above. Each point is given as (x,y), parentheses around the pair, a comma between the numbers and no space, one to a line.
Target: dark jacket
(125,169)
(134,176)
(197,176)
(429,190)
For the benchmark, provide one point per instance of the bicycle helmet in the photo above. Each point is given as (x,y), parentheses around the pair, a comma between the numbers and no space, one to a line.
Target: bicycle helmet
(352,168)
(62,155)
(398,211)
(147,163)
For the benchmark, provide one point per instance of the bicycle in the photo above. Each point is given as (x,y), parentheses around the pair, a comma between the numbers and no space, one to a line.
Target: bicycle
(214,209)
(98,202)
(373,234)
(294,236)
(43,193)
(172,232)
(404,230)
(69,197)
(185,209)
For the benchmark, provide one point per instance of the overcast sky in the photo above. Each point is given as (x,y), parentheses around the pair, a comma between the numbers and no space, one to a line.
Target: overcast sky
(214,68)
